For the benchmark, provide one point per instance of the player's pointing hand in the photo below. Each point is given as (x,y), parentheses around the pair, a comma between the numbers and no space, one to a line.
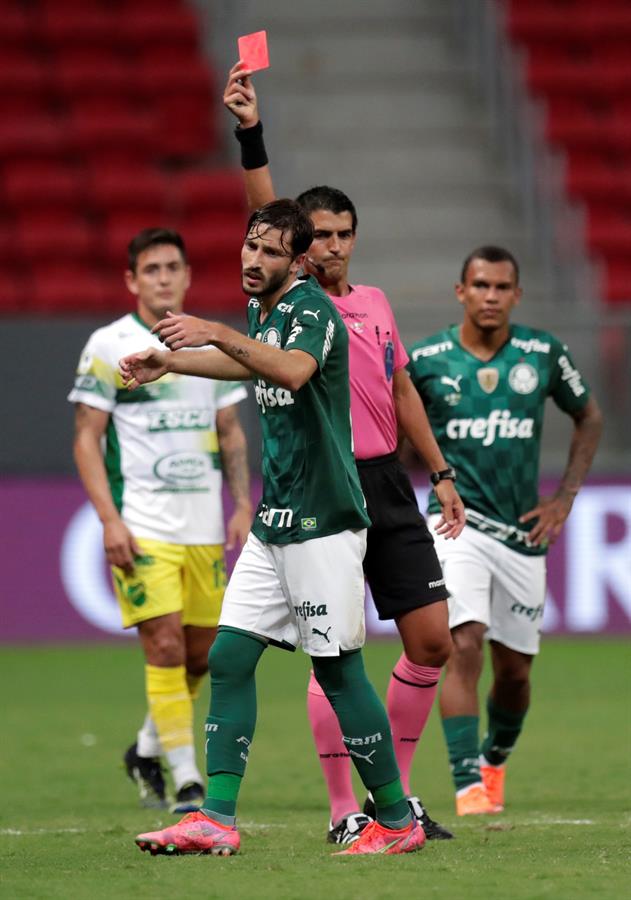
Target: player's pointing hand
(178,331)
(141,368)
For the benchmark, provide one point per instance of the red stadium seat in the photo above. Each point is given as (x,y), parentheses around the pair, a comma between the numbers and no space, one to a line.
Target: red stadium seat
(159,25)
(132,189)
(22,74)
(119,229)
(217,191)
(53,234)
(84,26)
(40,183)
(618,281)
(16,29)
(69,287)
(100,74)
(37,138)
(216,290)
(131,134)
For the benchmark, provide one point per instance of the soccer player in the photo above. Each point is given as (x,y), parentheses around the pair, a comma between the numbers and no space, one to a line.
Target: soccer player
(299,577)
(484,384)
(151,464)
(400,565)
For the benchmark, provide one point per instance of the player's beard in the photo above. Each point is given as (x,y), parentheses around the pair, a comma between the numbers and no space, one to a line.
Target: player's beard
(267,287)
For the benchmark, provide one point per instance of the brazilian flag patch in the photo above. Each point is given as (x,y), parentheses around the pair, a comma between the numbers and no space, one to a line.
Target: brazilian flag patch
(309,524)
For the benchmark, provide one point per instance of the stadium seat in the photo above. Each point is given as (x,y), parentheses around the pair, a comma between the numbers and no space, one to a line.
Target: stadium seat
(219,190)
(40,183)
(618,281)
(70,288)
(118,229)
(134,189)
(216,290)
(100,75)
(150,25)
(16,29)
(22,74)
(132,134)
(40,137)
(53,234)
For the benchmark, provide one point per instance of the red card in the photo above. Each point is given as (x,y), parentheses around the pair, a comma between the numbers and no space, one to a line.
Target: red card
(253,51)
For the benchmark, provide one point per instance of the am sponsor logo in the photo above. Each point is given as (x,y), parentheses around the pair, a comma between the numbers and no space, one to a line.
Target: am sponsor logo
(432,350)
(499,424)
(276,518)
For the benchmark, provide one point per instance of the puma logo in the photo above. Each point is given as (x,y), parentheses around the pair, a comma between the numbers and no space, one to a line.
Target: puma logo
(452,382)
(308,312)
(366,756)
(324,634)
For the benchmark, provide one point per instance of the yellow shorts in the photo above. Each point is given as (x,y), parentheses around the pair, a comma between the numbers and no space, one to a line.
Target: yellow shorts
(172,578)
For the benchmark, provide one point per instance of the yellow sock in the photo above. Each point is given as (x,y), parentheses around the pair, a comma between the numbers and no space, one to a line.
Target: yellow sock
(170,705)
(194,683)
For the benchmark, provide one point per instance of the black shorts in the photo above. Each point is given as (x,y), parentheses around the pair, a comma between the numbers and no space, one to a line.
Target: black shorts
(401,566)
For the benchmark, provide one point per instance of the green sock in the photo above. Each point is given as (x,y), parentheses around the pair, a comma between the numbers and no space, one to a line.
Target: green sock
(221,797)
(366,731)
(461,734)
(232,717)
(392,810)
(503,730)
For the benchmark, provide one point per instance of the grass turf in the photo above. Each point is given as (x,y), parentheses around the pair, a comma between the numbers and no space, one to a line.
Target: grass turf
(69,814)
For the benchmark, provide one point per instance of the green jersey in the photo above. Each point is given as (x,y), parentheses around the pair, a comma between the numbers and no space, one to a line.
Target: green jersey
(488,416)
(310,482)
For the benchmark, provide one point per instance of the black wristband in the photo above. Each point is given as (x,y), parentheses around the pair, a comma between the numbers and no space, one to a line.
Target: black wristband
(253,154)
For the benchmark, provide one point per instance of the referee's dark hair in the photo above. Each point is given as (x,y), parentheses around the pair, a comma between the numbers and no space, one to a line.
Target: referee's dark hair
(489,253)
(328,198)
(290,219)
(153,237)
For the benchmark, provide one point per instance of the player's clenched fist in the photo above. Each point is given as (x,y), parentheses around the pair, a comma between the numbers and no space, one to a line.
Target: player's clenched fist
(141,368)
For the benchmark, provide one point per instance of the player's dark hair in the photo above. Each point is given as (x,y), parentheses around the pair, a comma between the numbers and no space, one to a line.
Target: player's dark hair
(492,254)
(290,219)
(153,237)
(328,198)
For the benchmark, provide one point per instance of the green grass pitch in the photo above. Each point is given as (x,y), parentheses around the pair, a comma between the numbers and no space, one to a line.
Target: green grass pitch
(69,814)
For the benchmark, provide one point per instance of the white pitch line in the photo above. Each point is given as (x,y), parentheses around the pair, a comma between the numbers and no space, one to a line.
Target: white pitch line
(19,833)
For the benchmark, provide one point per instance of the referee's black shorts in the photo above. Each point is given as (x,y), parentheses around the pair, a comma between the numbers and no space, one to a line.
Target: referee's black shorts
(401,566)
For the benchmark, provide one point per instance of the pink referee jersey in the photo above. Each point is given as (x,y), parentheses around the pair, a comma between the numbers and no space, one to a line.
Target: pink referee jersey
(375,354)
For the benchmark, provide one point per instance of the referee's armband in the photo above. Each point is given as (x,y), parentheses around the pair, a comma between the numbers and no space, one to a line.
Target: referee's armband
(253,153)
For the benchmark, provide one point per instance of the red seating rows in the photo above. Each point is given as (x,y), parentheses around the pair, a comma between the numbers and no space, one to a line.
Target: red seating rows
(106,127)
(578,61)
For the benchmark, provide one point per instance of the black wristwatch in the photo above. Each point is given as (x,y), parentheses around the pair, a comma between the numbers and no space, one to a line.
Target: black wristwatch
(448,474)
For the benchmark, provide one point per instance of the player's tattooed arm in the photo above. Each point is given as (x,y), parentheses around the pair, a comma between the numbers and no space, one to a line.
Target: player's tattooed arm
(551,512)
(233,449)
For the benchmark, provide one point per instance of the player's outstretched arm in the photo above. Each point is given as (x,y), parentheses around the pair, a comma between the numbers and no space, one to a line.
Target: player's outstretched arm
(151,364)
(551,512)
(240,98)
(240,359)
(412,419)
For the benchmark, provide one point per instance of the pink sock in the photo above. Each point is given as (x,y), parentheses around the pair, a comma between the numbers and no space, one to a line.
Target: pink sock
(410,697)
(334,758)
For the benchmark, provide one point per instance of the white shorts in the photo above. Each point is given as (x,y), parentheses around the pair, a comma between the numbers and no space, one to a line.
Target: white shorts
(495,585)
(308,593)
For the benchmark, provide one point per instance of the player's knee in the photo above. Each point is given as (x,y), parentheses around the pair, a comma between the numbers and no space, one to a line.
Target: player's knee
(433,650)
(514,682)
(230,659)
(467,649)
(165,649)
